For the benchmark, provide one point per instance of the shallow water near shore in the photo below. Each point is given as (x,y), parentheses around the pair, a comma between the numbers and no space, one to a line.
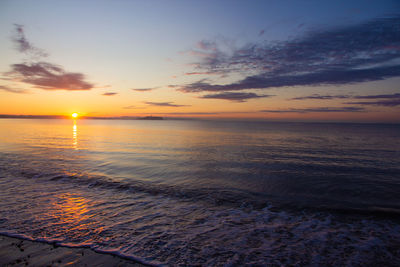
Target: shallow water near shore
(196,192)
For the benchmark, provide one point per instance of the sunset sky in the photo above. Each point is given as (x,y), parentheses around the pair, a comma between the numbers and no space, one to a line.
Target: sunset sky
(290,60)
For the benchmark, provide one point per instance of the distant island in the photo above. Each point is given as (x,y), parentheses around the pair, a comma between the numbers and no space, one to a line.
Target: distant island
(151,118)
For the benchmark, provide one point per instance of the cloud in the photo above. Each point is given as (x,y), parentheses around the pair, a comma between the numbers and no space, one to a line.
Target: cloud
(132,107)
(386,103)
(387,100)
(144,89)
(187,113)
(12,90)
(211,55)
(23,45)
(365,52)
(234,96)
(199,73)
(43,75)
(207,45)
(129,107)
(164,104)
(328,97)
(321,97)
(312,110)
(332,77)
(48,76)
(109,93)
(378,96)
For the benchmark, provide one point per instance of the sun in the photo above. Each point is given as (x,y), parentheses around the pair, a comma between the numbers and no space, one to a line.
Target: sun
(74,115)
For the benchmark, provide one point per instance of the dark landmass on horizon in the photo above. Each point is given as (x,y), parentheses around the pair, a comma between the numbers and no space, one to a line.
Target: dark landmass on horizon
(5,116)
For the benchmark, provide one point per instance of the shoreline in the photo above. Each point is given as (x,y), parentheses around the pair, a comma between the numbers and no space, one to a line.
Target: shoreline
(16,251)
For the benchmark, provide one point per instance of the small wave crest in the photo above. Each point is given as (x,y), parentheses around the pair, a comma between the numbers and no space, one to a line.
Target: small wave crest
(216,196)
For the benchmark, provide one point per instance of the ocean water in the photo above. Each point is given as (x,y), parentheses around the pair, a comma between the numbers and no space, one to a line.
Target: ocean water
(198,192)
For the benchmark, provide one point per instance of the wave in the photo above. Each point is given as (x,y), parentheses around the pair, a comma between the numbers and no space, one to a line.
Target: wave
(230,197)
(215,196)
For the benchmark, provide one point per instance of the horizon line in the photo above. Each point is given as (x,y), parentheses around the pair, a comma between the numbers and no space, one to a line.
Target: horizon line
(67,117)
(15,116)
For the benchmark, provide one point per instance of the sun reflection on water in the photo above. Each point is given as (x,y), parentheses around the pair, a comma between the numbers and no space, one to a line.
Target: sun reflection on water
(75,136)
(71,210)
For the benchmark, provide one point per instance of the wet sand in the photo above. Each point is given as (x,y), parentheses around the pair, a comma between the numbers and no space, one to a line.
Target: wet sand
(19,252)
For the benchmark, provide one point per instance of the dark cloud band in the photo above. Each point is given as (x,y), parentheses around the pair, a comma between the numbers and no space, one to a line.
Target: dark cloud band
(315,110)
(234,96)
(361,53)
(387,100)
(48,76)
(164,104)
(109,93)
(144,89)
(384,103)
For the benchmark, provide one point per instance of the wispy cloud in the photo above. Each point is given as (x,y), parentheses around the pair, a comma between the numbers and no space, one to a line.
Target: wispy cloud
(337,77)
(234,96)
(199,73)
(48,76)
(386,103)
(387,100)
(366,52)
(329,97)
(109,93)
(387,96)
(201,113)
(321,97)
(186,113)
(132,107)
(211,55)
(312,110)
(43,75)
(164,104)
(23,45)
(144,89)
(12,90)
(129,107)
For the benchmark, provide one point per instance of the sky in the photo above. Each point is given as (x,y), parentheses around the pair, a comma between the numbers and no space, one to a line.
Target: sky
(278,60)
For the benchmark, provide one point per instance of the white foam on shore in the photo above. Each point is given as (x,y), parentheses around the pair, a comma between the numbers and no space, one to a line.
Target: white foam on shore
(114,252)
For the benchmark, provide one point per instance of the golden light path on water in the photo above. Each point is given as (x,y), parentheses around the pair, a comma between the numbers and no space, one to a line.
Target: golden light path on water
(70,208)
(75,136)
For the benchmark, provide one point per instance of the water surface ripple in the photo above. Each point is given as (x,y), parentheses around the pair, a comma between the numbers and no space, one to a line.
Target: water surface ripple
(205,192)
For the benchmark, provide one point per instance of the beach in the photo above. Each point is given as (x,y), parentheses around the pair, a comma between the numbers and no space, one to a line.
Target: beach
(19,252)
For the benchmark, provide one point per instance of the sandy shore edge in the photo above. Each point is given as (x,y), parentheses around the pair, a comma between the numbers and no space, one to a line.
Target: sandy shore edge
(21,252)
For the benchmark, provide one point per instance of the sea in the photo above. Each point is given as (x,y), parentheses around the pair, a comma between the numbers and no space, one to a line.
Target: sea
(205,192)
